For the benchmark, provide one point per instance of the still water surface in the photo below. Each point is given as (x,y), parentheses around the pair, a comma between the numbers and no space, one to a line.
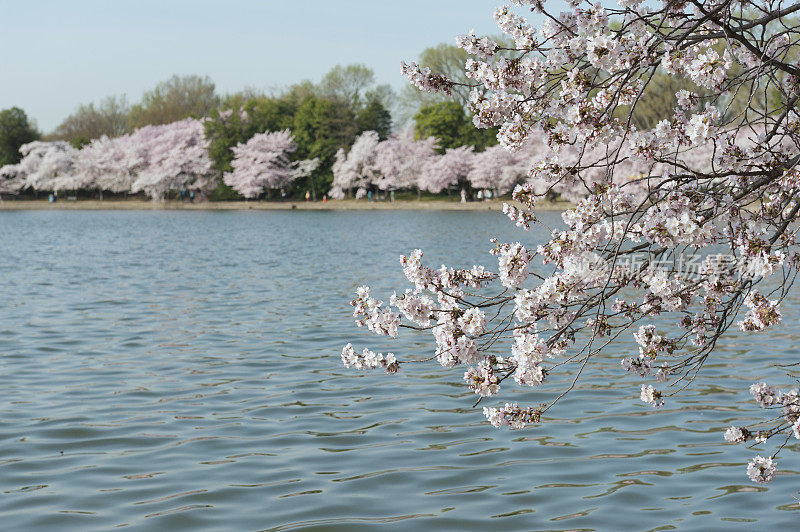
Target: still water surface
(180,370)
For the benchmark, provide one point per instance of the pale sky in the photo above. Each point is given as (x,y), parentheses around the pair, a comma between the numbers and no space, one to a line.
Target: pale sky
(57,54)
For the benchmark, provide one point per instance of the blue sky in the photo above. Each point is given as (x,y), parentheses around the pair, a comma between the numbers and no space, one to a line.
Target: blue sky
(58,54)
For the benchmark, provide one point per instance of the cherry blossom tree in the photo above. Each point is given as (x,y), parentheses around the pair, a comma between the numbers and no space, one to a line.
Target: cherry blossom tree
(169,157)
(439,173)
(356,169)
(108,165)
(400,158)
(11,180)
(304,168)
(337,192)
(49,166)
(715,184)
(497,169)
(263,163)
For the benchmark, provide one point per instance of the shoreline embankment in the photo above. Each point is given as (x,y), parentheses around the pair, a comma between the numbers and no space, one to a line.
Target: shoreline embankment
(331,205)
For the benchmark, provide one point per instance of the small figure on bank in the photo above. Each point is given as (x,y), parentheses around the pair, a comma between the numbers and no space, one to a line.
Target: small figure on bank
(369,195)
(283,195)
(324,198)
(463,196)
(391,196)
(308,195)
(480,195)
(487,194)
(191,197)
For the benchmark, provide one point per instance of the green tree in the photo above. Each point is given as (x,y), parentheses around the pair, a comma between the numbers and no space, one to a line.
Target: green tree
(373,116)
(15,130)
(320,128)
(445,120)
(90,121)
(346,84)
(175,99)
(448,122)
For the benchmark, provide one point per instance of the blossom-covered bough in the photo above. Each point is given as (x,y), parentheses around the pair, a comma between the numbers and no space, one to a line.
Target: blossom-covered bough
(691,223)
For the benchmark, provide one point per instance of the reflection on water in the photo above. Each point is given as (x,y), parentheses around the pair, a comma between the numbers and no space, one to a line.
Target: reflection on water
(180,370)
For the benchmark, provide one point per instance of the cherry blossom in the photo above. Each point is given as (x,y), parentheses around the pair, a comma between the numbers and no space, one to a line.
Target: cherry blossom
(690,223)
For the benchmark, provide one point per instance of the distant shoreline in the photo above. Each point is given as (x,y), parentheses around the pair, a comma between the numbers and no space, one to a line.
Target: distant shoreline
(331,205)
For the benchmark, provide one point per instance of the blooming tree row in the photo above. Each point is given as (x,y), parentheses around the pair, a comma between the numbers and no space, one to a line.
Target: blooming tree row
(720,175)
(400,162)
(154,160)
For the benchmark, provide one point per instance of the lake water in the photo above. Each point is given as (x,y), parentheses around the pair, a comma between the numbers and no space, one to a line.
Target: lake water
(180,371)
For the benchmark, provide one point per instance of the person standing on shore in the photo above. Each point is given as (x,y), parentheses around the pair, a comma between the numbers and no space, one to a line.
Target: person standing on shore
(308,195)
(463,196)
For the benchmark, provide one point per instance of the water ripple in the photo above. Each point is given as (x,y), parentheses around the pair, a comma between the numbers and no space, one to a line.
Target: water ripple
(179,371)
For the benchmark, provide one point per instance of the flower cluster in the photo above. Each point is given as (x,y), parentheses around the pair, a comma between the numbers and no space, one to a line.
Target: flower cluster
(651,396)
(736,434)
(425,80)
(512,416)
(482,380)
(762,313)
(369,360)
(761,469)
(370,313)
(513,261)
(482,47)
(650,346)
